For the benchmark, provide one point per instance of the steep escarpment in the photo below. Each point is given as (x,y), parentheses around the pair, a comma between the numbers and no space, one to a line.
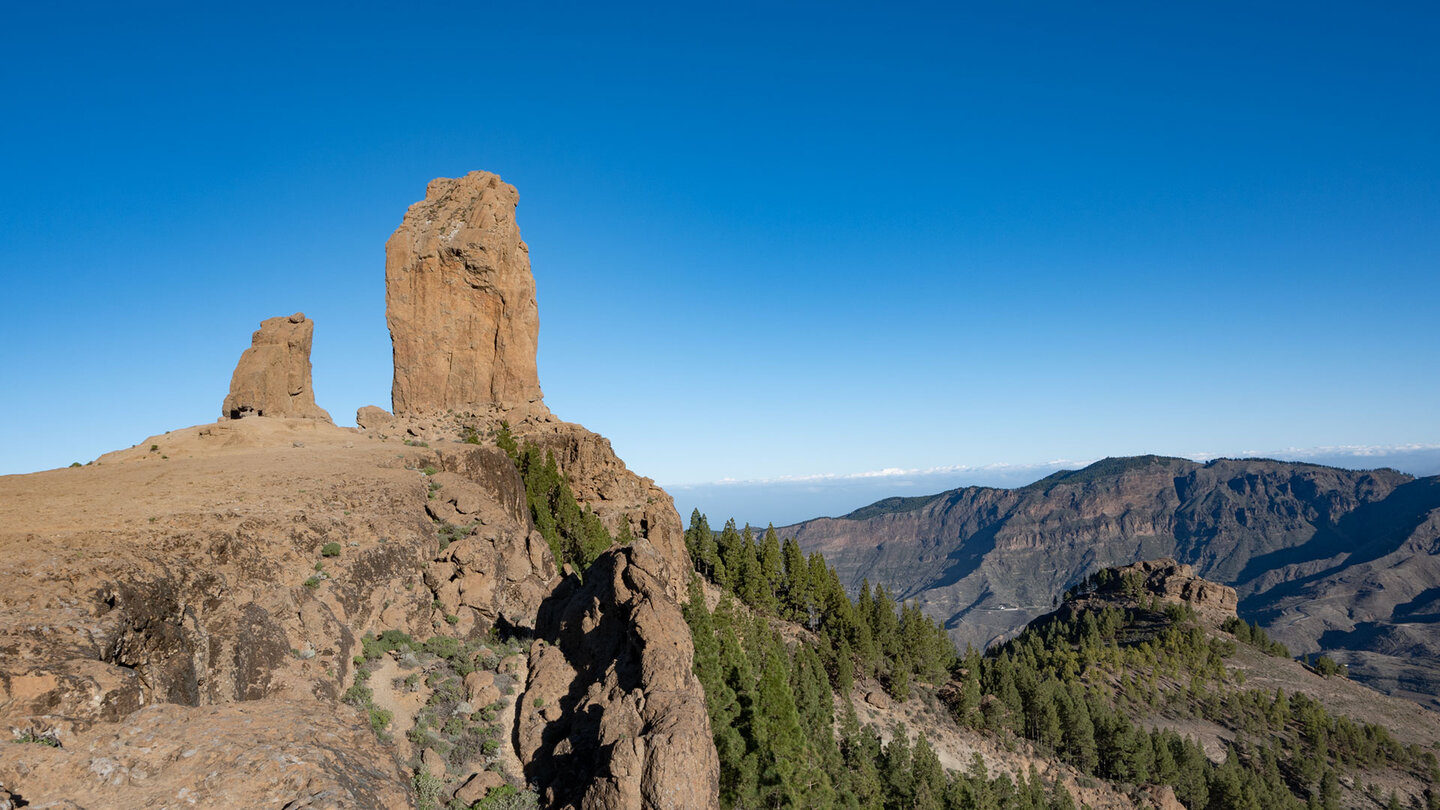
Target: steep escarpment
(988,560)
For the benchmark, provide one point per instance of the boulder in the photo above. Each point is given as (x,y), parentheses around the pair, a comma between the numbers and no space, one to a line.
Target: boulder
(433,762)
(460,300)
(477,786)
(273,375)
(373,417)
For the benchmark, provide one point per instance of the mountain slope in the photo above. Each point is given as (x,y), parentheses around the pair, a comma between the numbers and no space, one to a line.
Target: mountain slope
(1324,557)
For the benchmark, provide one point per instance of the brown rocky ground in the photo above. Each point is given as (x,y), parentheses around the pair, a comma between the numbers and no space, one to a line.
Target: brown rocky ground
(183,584)
(261,753)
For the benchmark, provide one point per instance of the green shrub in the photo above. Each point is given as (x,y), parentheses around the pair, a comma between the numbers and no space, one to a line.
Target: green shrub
(430,469)
(379,719)
(1325,666)
(427,791)
(374,647)
(330,550)
(38,737)
(358,696)
(506,797)
(312,582)
(443,646)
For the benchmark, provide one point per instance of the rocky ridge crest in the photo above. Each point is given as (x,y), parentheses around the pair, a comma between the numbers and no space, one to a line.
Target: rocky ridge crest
(222,577)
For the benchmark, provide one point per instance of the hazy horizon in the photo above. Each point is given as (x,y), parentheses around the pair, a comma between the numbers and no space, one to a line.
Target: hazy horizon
(785,501)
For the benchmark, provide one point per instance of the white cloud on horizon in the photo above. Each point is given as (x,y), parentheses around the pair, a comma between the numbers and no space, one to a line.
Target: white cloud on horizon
(888,472)
(1352,450)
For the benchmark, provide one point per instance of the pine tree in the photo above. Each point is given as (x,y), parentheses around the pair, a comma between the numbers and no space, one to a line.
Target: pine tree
(731,556)
(797,599)
(771,565)
(898,770)
(927,775)
(860,750)
(783,754)
(738,752)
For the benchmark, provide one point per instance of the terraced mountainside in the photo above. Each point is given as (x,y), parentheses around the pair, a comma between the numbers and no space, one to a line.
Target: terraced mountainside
(1331,560)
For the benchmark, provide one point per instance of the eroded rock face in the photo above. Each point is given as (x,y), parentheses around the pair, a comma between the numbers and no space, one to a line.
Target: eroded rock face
(123,591)
(460,300)
(1174,582)
(273,375)
(601,481)
(613,715)
(497,566)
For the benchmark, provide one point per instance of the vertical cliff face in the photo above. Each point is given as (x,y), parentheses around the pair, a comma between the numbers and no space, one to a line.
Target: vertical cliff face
(273,375)
(460,300)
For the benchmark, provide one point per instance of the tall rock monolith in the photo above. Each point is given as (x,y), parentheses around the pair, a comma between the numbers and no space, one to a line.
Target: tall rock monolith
(460,300)
(273,375)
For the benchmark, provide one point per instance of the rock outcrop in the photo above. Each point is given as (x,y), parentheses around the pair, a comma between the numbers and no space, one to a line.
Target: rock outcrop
(497,565)
(460,300)
(601,481)
(187,618)
(1170,581)
(273,375)
(613,716)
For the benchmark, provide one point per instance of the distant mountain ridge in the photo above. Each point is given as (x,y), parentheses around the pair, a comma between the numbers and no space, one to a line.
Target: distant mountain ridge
(1325,558)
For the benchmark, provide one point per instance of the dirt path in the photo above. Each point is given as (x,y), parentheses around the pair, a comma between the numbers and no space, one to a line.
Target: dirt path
(402,704)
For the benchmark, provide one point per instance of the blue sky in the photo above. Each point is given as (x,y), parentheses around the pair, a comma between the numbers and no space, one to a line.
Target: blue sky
(808,240)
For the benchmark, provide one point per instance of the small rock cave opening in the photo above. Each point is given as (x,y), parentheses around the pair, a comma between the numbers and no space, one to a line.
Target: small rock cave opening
(244,411)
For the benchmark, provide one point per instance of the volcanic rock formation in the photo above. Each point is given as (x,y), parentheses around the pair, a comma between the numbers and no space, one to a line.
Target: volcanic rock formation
(187,616)
(460,300)
(1173,582)
(273,375)
(613,715)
